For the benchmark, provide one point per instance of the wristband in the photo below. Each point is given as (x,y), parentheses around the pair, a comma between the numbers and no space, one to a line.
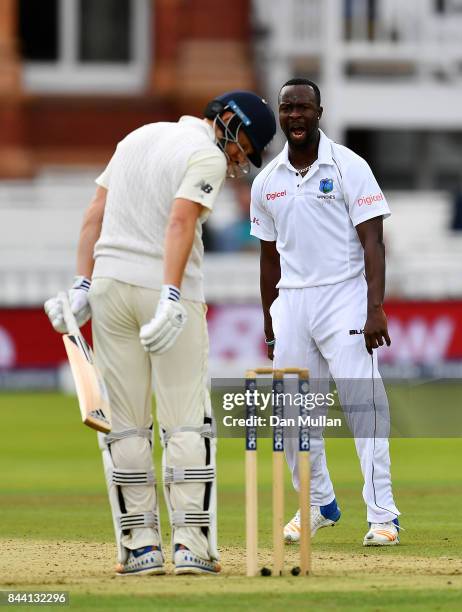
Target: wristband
(170,292)
(81,282)
(270,342)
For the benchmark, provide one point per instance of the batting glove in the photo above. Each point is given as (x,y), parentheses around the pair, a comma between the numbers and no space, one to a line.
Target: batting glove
(160,334)
(78,299)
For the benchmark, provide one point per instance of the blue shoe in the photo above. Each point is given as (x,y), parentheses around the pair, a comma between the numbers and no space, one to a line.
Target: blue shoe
(321,516)
(146,561)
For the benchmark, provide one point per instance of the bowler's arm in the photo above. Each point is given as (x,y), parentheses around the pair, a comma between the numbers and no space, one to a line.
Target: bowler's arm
(270,273)
(370,234)
(90,232)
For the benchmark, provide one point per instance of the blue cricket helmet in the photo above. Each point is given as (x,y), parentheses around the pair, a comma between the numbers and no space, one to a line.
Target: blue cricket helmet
(254,115)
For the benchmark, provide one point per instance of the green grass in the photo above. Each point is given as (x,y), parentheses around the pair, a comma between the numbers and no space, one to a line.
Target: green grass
(52,489)
(354,600)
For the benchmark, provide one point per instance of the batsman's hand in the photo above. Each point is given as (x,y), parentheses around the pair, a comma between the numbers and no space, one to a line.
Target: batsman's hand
(376,329)
(160,334)
(78,300)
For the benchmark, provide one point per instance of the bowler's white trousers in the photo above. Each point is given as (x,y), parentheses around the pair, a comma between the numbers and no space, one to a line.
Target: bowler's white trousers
(312,329)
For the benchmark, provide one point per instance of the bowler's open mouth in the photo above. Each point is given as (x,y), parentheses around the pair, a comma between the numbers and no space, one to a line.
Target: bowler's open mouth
(297,132)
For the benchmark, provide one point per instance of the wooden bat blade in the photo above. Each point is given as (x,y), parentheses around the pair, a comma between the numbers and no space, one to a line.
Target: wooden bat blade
(91,389)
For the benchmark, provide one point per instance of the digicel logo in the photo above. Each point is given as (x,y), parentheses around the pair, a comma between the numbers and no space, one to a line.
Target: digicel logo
(370,199)
(276,194)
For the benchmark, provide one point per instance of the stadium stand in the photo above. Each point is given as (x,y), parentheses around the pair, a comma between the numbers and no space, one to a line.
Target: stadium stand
(40,221)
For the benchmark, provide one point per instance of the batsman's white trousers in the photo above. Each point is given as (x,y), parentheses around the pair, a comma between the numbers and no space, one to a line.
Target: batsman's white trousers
(312,329)
(182,398)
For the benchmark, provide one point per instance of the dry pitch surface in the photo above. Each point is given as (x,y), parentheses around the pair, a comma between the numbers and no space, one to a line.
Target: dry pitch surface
(87,566)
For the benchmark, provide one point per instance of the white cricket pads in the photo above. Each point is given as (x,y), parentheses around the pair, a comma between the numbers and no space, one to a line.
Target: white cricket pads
(160,334)
(187,514)
(117,480)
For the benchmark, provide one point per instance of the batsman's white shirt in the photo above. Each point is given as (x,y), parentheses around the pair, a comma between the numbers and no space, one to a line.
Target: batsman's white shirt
(150,168)
(313,219)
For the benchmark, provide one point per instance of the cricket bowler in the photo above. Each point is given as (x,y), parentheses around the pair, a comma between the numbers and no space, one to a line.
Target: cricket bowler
(139,277)
(318,212)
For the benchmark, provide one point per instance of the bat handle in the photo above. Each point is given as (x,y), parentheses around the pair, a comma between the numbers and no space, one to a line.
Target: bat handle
(69,318)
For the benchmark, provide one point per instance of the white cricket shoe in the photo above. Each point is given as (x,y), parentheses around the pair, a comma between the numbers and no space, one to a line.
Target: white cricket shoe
(186,562)
(382,534)
(146,561)
(321,516)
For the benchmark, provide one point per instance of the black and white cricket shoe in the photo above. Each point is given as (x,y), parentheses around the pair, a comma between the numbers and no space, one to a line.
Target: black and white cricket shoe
(146,561)
(186,562)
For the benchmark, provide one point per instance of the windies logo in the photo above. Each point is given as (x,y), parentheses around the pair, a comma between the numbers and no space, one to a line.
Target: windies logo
(326,185)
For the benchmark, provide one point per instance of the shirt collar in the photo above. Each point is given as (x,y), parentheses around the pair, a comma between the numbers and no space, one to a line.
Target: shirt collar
(324,152)
(200,123)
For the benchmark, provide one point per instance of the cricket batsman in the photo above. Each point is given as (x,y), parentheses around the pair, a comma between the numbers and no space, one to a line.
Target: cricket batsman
(139,277)
(318,212)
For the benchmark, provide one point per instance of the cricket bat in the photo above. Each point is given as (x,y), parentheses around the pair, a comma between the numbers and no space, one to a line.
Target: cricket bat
(91,389)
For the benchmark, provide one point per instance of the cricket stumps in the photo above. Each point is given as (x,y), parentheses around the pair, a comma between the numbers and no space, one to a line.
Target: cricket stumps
(251,474)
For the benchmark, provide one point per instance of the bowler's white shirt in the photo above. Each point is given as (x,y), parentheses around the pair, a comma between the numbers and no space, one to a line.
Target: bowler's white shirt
(313,219)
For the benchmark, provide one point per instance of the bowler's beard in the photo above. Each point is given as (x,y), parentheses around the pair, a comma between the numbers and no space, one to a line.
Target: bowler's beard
(309,140)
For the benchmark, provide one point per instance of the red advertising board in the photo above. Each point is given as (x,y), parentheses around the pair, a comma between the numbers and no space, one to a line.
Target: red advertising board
(424,332)
(421,332)
(28,340)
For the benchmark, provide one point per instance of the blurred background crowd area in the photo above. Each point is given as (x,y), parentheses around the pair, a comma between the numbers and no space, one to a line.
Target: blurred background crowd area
(77,75)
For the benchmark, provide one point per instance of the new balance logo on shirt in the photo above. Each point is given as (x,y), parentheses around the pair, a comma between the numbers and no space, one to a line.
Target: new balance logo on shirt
(205,187)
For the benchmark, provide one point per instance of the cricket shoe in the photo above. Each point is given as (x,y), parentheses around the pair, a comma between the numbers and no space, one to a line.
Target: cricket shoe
(321,516)
(382,534)
(146,561)
(186,562)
